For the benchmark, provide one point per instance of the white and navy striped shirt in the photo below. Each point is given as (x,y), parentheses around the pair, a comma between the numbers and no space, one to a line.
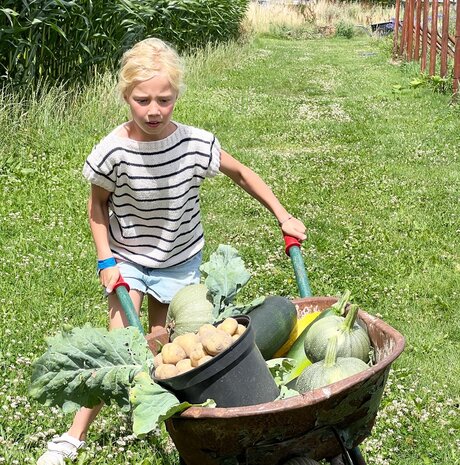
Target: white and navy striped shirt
(154,203)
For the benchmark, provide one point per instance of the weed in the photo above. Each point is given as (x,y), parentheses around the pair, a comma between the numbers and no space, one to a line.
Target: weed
(344,29)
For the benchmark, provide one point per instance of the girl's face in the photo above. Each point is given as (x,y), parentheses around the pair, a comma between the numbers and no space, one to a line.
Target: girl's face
(152,104)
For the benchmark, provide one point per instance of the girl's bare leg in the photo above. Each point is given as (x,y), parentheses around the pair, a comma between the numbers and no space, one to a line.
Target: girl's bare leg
(157,313)
(85,416)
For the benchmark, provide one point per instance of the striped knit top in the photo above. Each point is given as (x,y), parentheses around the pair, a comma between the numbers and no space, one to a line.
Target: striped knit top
(154,203)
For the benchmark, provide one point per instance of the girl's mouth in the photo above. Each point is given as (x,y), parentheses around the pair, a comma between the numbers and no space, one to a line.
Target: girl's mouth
(153,124)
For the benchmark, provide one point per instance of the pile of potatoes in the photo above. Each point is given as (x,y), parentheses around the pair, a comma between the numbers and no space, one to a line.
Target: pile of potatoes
(191,350)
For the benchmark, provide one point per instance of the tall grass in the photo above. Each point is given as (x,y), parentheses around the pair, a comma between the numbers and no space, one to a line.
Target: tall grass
(61,41)
(263,19)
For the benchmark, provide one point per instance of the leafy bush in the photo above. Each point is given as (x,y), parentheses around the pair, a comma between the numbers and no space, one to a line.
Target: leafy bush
(63,41)
(344,29)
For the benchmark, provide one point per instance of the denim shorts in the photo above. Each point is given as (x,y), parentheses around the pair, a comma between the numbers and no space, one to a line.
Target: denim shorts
(161,283)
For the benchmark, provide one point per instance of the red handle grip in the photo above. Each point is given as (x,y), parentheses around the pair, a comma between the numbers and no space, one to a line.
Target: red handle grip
(290,241)
(121,282)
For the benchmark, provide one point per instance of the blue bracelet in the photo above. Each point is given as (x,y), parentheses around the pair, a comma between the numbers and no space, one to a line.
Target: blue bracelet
(106,263)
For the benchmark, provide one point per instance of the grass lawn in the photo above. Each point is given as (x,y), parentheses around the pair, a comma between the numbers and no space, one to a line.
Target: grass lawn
(371,166)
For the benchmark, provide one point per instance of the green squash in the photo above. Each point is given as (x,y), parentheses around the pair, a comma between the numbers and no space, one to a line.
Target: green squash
(352,338)
(296,351)
(330,370)
(189,309)
(272,322)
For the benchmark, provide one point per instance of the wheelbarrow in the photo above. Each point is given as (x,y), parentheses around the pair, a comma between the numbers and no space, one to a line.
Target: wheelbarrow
(327,423)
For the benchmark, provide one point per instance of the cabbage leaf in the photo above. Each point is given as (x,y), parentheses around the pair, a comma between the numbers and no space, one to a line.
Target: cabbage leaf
(88,365)
(152,404)
(224,276)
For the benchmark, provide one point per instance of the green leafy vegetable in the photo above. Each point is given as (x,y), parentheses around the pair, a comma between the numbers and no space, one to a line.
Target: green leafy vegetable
(280,368)
(225,275)
(88,365)
(235,310)
(152,404)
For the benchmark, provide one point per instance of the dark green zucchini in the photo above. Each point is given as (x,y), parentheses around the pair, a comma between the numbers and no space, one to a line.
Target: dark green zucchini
(272,323)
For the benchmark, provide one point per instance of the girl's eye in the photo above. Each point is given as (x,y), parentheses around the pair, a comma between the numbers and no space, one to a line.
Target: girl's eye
(141,101)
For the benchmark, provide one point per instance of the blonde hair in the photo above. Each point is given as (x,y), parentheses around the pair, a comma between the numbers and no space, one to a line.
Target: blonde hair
(147,59)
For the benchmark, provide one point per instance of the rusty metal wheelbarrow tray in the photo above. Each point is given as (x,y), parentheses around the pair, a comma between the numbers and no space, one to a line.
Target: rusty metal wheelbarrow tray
(308,424)
(322,424)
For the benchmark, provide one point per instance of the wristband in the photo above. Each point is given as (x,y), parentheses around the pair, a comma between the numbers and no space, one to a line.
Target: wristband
(106,263)
(284,221)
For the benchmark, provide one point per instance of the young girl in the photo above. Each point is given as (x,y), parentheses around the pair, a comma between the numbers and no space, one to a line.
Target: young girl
(144,210)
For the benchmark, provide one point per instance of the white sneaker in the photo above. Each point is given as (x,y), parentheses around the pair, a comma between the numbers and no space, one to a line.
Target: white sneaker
(59,449)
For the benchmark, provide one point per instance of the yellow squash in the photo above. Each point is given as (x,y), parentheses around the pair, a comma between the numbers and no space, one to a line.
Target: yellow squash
(300,325)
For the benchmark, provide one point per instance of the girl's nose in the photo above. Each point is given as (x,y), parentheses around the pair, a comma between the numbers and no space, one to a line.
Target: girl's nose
(154,109)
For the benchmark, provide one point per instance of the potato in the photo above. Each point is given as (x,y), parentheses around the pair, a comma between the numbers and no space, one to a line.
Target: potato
(229,325)
(204,359)
(240,329)
(197,353)
(205,329)
(166,370)
(184,365)
(187,342)
(157,360)
(235,337)
(216,342)
(172,353)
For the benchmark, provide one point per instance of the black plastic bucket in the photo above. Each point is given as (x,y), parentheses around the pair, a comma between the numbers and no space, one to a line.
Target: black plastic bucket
(237,377)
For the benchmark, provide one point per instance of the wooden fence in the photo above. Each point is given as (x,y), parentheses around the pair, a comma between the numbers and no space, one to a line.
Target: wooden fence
(429,32)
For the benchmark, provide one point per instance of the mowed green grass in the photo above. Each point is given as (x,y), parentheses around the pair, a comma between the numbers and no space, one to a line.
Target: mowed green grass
(372,170)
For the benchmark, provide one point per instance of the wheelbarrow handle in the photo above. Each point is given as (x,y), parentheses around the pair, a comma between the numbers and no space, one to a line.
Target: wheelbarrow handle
(292,249)
(121,288)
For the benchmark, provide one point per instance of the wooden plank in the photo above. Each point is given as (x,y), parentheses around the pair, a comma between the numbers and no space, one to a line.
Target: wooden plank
(434,33)
(426,12)
(444,37)
(457,52)
(418,16)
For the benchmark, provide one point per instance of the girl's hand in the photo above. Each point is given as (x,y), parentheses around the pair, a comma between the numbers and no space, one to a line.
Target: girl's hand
(108,277)
(294,227)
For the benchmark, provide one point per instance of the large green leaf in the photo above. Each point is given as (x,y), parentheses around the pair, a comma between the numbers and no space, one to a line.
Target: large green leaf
(151,404)
(88,365)
(225,275)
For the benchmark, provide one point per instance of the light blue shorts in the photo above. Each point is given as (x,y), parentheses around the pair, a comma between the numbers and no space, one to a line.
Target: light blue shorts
(161,283)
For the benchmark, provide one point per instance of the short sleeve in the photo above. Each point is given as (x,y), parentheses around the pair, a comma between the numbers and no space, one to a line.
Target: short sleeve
(99,170)
(214,162)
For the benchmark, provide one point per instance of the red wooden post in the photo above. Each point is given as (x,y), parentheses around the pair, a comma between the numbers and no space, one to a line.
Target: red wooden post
(418,15)
(402,47)
(396,29)
(426,12)
(457,52)
(410,29)
(434,37)
(445,37)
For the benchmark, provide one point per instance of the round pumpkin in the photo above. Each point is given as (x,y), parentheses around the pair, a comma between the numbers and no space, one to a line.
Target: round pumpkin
(352,338)
(330,370)
(189,309)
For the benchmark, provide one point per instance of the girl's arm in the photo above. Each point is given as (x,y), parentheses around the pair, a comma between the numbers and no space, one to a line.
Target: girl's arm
(256,187)
(98,212)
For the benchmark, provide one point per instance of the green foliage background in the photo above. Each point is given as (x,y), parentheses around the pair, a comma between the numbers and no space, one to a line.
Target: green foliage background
(62,41)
